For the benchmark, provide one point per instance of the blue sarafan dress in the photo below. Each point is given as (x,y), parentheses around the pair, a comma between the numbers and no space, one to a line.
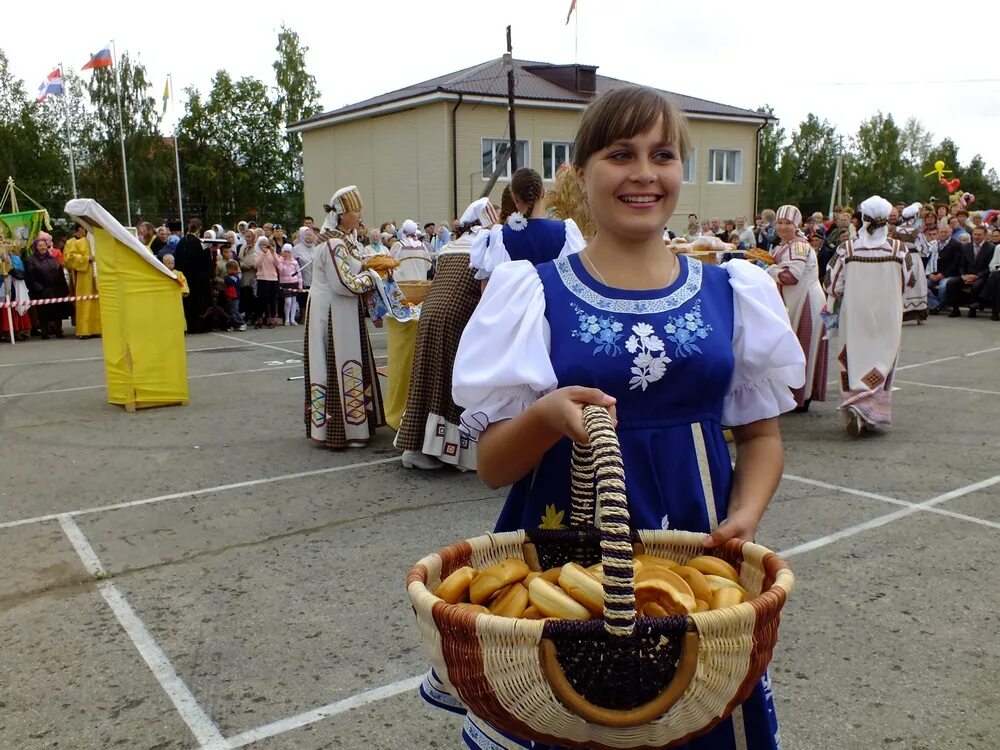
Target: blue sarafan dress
(534,240)
(713,349)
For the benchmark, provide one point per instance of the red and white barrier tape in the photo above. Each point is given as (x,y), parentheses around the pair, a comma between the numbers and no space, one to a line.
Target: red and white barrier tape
(52,301)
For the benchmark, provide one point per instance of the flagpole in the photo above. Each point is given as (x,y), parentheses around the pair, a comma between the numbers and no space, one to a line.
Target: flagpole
(576,35)
(121,131)
(69,139)
(177,156)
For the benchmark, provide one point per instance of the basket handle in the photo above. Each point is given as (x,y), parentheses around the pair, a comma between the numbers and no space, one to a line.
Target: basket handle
(602,461)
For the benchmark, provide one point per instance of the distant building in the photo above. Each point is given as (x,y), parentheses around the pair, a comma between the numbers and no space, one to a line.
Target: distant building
(426,151)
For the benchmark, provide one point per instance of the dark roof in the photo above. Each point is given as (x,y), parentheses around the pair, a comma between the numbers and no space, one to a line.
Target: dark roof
(490,79)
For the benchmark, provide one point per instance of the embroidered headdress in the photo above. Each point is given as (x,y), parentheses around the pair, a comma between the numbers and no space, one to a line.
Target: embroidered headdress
(481,210)
(344,200)
(874,222)
(791,213)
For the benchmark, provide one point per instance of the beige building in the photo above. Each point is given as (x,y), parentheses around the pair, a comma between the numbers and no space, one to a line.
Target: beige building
(425,152)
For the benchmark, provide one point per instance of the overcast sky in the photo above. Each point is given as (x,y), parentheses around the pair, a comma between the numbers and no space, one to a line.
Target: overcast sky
(798,57)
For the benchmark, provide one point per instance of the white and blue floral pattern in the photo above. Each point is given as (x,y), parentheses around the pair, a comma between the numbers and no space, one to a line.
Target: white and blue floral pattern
(685,330)
(650,362)
(605,331)
(691,286)
(517,222)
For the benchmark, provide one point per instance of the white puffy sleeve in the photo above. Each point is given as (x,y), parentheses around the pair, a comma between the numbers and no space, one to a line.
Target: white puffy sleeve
(574,239)
(488,252)
(769,358)
(502,366)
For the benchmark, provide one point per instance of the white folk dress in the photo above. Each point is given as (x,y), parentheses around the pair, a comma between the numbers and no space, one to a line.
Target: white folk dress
(869,284)
(796,272)
(343,400)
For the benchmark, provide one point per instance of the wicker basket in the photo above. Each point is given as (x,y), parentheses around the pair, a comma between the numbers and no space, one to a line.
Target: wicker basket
(624,681)
(414,291)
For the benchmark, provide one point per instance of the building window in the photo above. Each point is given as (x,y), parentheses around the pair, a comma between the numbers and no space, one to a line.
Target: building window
(725,166)
(494,150)
(691,166)
(554,155)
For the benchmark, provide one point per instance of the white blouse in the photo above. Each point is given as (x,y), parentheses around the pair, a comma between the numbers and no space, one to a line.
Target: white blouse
(488,249)
(503,365)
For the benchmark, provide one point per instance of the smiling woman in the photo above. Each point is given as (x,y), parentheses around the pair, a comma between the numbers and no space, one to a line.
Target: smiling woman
(674,349)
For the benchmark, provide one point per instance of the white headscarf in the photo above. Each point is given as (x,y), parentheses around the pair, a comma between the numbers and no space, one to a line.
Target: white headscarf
(408,234)
(874,230)
(481,210)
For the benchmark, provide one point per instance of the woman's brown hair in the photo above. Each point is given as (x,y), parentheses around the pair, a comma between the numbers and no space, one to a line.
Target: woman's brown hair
(624,113)
(507,205)
(526,184)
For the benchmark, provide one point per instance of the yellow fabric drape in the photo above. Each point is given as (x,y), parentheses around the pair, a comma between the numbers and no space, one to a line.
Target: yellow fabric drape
(76,256)
(401,340)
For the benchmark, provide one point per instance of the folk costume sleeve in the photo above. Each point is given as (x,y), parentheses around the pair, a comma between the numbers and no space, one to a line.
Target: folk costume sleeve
(76,255)
(488,252)
(791,263)
(353,278)
(768,357)
(502,366)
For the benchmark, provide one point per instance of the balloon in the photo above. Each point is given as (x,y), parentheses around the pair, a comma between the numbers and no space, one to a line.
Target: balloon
(939,170)
(953,185)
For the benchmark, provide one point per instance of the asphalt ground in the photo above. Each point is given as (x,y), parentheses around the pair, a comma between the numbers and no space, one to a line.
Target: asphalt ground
(203,576)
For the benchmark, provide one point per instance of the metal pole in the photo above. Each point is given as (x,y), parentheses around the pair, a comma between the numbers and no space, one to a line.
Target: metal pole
(121,131)
(69,139)
(177,158)
(509,63)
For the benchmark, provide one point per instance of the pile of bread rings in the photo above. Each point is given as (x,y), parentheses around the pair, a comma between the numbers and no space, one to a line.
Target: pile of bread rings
(663,588)
(381,264)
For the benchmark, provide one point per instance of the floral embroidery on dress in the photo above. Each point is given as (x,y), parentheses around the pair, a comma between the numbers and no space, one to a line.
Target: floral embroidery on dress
(605,331)
(553,519)
(647,368)
(685,330)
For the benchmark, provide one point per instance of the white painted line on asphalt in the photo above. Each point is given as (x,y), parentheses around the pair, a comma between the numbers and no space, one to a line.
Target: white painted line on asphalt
(874,523)
(101,359)
(190,377)
(949,387)
(199,722)
(931,362)
(323,712)
(256,343)
(82,546)
(982,351)
(891,500)
(197,492)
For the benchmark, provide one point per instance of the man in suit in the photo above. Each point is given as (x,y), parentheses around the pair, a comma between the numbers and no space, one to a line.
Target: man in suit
(981,255)
(950,266)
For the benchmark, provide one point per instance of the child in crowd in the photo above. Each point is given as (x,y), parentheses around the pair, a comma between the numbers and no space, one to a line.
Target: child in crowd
(216,316)
(168,261)
(231,297)
(290,283)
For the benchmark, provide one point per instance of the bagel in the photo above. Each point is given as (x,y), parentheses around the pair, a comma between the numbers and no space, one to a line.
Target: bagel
(512,603)
(478,608)
(710,565)
(552,601)
(531,613)
(696,580)
(656,561)
(552,574)
(455,587)
(495,577)
(583,587)
(672,600)
(718,582)
(700,605)
(652,609)
(651,573)
(726,596)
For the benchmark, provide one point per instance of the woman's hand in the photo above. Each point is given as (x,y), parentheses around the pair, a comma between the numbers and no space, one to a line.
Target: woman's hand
(741,524)
(562,410)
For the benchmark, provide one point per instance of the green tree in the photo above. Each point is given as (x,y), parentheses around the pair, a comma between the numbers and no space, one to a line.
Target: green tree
(929,187)
(298,98)
(874,166)
(776,173)
(813,152)
(982,182)
(29,150)
(916,143)
(149,158)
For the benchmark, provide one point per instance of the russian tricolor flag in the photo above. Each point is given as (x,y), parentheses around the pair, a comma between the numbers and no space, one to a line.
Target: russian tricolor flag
(102,59)
(53,84)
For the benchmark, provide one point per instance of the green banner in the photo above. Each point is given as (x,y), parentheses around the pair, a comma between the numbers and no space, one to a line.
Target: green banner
(23,227)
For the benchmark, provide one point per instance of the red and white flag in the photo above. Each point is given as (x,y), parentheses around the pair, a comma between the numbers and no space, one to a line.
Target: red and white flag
(572,7)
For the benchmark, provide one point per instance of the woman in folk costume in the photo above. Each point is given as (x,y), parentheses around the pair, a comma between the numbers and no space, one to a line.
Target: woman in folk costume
(430,434)
(909,228)
(343,401)
(868,278)
(679,348)
(79,259)
(526,234)
(401,336)
(796,273)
